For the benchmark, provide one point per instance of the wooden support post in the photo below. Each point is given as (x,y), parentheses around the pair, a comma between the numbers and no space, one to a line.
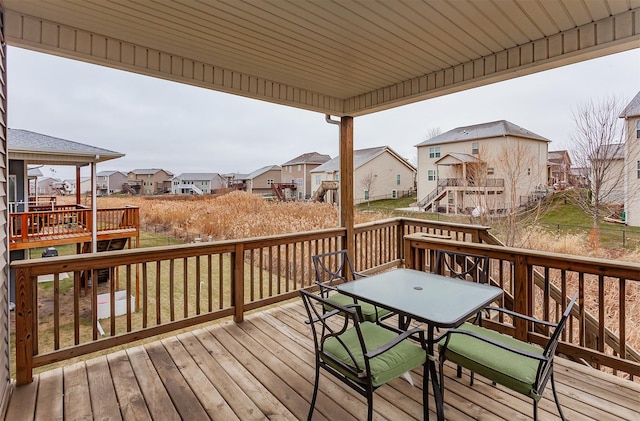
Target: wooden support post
(346,182)
(522,296)
(237,283)
(24,327)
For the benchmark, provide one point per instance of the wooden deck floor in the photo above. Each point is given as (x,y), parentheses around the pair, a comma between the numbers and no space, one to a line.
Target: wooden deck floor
(263,369)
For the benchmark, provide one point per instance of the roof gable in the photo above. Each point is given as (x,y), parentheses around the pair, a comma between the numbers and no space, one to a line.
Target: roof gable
(633,108)
(360,158)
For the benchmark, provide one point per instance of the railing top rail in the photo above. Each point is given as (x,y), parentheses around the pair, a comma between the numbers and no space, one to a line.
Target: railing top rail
(592,265)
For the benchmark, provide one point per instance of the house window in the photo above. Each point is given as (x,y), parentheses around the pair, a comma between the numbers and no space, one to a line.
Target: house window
(434,152)
(366,195)
(269,182)
(299,195)
(299,167)
(431,175)
(290,169)
(318,179)
(491,171)
(394,194)
(528,171)
(398,179)
(474,148)
(299,182)
(638,129)
(638,167)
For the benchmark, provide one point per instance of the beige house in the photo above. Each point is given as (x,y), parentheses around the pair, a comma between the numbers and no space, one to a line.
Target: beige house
(109,182)
(559,169)
(492,166)
(261,180)
(298,172)
(631,115)
(149,181)
(378,173)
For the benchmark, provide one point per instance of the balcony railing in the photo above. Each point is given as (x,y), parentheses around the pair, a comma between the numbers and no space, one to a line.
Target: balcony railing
(68,224)
(171,288)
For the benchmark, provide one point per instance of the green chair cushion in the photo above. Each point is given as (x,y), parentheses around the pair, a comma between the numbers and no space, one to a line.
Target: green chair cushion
(391,364)
(368,310)
(517,372)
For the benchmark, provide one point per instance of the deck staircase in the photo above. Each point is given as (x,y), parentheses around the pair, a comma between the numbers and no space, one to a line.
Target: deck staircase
(323,189)
(280,190)
(436,195)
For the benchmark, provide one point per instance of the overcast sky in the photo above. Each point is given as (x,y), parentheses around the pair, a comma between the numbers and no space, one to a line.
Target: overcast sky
(180,128)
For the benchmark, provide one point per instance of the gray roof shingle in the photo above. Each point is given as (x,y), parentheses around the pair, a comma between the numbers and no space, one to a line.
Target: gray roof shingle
(482,131)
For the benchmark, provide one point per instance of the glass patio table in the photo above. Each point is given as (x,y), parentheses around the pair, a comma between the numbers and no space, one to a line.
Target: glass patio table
(437,301)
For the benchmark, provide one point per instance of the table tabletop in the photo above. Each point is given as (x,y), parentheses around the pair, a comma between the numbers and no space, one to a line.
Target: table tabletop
(437,300)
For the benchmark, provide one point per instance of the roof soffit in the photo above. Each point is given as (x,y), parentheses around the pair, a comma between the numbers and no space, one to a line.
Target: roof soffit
(340,58)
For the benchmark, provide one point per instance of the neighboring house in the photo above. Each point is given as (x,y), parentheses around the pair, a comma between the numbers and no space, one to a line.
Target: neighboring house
(46,186)
(236,181)
(378,173)
(149,181)
(631,115)
(298,171)
(109,182)
(492,166)
(261,180)
(68,187)
(579,177)
(197,183)
(560,168)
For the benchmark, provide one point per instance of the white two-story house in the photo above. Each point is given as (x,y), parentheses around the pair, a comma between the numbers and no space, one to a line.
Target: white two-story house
(486,167)
(197,183)
(631,115)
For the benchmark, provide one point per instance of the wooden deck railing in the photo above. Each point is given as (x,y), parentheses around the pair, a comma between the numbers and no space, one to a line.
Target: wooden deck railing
(68,224)
(171,288)
(538,284)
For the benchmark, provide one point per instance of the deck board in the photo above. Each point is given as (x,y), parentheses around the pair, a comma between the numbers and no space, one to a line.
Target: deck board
(263,368)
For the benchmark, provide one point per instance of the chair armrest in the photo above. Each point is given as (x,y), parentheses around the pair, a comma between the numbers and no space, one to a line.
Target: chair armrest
(538,357)
(359,275)
(386,347)
(521,316)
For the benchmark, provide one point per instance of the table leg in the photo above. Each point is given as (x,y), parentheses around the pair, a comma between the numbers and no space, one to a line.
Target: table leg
(431,372)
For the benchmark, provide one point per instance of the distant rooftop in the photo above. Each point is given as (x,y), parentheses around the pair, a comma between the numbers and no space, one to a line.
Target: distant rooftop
(360,157)
(309,158)
(482,131)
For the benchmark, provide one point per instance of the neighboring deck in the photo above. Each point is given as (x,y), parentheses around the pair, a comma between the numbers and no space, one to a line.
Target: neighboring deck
(263,369)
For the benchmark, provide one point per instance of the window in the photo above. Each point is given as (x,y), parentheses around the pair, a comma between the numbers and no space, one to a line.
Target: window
(299,195)
(299,167)
(299,182)
(394,194)
(491,171)
(638,167)
(474,148)
(638,129)
(434,152)
(318,179)
(290,168)
(398,179)
(431,175)
(366,195)
(528,171)
(269,182)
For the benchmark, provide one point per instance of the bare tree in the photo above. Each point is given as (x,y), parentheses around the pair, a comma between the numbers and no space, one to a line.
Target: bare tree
(432,132)
(367,183)
(598,144)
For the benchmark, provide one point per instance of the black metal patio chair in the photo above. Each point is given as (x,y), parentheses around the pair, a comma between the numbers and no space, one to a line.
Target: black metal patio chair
(362,354)
(462,265)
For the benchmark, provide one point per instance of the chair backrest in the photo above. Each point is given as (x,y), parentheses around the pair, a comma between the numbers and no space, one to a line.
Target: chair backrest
(462,265)
(545,368)
(319,312)
(333,267)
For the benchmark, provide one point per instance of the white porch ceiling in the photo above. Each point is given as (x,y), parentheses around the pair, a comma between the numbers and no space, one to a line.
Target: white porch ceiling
(340,57)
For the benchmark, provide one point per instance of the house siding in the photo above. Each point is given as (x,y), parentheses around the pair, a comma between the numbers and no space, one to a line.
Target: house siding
(5,372)
(632,184)
(260,184)
(385,168)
